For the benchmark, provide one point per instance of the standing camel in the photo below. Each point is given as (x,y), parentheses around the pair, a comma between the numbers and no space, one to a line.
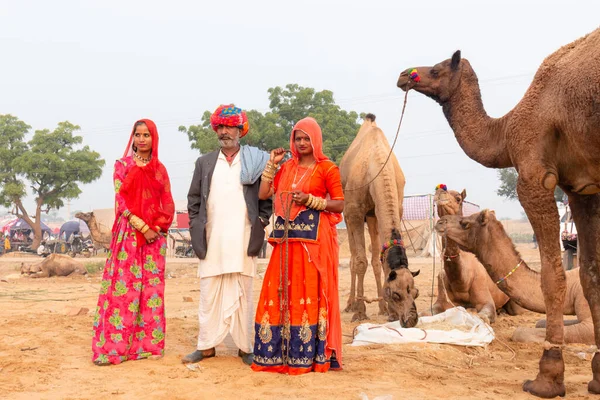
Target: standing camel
(378,202)
(100,238)
(552,137)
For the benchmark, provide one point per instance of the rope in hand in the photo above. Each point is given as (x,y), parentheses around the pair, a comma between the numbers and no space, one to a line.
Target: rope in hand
(391,149)
(286,201)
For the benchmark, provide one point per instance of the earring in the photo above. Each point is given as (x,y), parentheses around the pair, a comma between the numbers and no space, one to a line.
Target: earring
(134,148)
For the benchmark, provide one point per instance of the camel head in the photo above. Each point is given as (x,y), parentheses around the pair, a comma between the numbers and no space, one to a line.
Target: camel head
(467,231)
(86,217)
(399,288)
(449,202)
(438,82)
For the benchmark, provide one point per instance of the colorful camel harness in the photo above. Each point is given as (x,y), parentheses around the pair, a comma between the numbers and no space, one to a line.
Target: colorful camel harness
(387,245)
(509,274)
(413,74)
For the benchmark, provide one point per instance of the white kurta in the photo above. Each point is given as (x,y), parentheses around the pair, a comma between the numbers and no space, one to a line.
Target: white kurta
(227,271)
(228,226)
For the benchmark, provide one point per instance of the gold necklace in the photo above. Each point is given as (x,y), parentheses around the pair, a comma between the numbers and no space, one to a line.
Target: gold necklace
(294,183)
(142,159)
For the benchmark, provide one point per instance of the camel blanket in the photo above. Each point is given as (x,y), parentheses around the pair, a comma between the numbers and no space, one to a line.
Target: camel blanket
(454,326)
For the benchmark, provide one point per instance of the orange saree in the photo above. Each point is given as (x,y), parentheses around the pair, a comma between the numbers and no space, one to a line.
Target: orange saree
(298,325)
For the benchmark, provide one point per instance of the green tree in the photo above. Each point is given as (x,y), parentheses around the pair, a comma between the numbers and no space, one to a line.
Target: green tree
(287,106)
(51,163)
(508,185)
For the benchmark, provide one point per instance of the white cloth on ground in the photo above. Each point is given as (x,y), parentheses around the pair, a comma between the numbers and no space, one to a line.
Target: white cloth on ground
(228,226)
(464,329)
(226,306)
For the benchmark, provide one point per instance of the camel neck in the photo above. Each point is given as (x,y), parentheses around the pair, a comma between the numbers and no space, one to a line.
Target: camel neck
(496,252)
(481,137)
(453,267)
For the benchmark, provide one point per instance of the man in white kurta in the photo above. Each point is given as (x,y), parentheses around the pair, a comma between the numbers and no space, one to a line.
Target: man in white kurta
(227,271)
(227,221)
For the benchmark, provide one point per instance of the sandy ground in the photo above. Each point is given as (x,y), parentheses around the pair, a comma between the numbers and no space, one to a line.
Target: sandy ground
(45,352)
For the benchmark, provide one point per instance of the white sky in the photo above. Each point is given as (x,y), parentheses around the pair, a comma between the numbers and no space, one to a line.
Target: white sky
(105,64)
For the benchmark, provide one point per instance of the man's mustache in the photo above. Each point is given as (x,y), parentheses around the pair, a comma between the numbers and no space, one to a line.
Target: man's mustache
(221,137)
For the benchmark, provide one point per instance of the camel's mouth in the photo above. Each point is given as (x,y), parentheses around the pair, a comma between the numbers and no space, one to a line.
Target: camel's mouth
(403,81)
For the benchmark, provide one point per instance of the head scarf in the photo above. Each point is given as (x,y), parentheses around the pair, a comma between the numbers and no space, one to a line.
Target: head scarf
(230,115)
(144,187)
(310,127)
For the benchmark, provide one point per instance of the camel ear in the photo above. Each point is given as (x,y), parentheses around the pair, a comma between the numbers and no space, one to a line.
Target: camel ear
(484,217)
(415,273)
(455,60)
(464,194)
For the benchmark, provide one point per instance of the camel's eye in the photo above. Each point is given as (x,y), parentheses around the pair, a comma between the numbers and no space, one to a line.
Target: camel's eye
(434,73)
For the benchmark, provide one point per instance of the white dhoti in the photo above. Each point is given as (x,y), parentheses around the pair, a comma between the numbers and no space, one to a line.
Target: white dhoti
(226,307)
(227,271)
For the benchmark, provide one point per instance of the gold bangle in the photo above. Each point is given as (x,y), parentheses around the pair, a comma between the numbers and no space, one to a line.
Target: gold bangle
(309,201)
(318,204)
(137,223)
(145,228)
(324,204)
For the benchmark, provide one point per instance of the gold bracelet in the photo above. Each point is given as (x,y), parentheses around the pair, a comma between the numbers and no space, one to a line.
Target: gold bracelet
(145,228)
(267,177)
(318,204)
(324,204)
(309,202)
(137,222)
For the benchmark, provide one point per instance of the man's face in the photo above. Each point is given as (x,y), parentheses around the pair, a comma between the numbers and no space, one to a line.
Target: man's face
(229,136)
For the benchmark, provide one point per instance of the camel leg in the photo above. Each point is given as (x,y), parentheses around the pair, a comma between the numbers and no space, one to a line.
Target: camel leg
(586,215)
(375,263)
(44,273)
(513,308)
(351,297)
(540,206)
(356,237)
(483,302)
(575,332)
(542,323)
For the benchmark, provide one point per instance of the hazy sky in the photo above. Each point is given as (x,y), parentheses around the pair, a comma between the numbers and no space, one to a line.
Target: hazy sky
(104,64)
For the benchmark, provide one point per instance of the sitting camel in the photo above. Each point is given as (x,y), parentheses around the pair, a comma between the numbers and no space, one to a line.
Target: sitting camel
(53,265)
(483,235)
(464,281)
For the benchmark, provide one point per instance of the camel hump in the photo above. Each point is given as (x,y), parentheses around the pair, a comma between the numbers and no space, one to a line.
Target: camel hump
(370,117)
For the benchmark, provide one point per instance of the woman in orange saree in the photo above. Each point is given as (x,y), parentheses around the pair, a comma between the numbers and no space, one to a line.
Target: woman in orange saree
(298,326)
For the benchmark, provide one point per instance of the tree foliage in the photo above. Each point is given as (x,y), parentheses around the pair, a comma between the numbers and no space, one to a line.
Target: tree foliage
(52,164)
(287,106)
(508,185)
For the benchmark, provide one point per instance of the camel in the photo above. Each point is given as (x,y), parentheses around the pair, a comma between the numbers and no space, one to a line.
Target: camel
(53,265)
(464,281)
(376,200)
(483,235)
(100,238)
(400,285)
(552,137)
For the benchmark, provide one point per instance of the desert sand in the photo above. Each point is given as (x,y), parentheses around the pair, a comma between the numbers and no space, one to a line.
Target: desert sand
(45,350)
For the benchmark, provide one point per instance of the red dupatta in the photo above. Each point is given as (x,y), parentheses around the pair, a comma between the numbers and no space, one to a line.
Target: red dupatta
(147,190)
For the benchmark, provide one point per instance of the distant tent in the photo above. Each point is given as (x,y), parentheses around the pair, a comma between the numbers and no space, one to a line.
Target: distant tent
(21,225)
(7,222)
(76,226)
(418,220)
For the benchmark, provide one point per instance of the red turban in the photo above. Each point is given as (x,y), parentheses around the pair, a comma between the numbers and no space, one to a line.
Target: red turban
(230,115)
